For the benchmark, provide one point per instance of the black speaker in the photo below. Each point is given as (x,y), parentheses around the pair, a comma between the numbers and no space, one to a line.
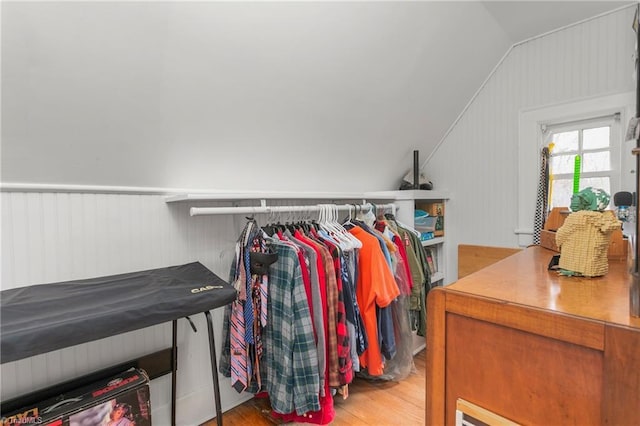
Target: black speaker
(623,198)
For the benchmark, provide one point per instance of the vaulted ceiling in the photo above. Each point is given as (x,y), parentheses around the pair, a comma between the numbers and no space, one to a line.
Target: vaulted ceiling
(521,20)
(183,94)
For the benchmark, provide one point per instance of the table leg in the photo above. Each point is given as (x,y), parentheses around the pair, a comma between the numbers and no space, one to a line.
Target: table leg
(214,368)
(174,371)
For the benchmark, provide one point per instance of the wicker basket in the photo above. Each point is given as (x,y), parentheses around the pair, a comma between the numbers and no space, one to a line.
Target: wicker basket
(583,240)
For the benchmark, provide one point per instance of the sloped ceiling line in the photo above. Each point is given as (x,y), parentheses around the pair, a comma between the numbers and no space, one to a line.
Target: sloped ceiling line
(499,64)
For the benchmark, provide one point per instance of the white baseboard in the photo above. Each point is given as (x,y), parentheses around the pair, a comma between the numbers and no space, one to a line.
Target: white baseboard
(193,409)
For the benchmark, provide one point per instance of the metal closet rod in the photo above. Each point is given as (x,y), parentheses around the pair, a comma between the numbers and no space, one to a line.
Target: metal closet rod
(198,211)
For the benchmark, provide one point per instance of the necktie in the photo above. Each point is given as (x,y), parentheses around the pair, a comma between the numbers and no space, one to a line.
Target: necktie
(541,200)
(248,303)
(239,377)
(238,345)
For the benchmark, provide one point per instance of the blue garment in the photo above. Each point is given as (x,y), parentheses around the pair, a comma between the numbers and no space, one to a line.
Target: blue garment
(351,303)
(386,335)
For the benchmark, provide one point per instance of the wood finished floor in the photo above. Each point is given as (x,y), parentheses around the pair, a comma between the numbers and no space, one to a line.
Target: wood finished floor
(370,403)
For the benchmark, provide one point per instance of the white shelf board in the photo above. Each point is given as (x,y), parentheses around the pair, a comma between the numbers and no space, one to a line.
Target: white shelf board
(231,196)
(299,195)
(438,276)
(420,346)
(433,242)
(410,194)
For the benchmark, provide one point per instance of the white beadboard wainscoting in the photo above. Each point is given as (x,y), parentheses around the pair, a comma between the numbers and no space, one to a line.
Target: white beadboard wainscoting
(55,236)
(477,161)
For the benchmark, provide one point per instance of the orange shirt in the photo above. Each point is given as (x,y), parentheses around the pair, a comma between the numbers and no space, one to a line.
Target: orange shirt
(376,286)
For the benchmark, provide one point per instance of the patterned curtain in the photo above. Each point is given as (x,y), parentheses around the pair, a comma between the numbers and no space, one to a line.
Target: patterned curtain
(542,196)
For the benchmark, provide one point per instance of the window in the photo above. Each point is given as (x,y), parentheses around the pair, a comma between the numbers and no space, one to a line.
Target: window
(534,131)
(597,142)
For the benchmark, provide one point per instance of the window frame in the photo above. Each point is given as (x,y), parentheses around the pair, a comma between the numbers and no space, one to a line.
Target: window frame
(613,121)
(529,148)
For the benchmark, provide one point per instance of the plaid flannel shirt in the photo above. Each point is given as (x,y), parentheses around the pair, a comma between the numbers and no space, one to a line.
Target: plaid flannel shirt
(345,369)
(292,380)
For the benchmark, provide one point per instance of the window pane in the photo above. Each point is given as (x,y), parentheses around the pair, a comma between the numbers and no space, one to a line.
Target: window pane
(562,189)
(596,138)
(561,193)
(596,161)
(597,182)
(565,142)
(561,164)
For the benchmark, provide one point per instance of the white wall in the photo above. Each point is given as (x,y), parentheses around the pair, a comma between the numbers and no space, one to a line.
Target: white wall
(49,237)
(209,94)
(316,96)
(59,236)
(100,97)
(478,160)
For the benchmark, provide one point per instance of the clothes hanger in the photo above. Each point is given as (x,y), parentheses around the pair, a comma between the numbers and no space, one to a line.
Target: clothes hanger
(337,233)
(327,225)
(352,241)
(368,218)
(348,224)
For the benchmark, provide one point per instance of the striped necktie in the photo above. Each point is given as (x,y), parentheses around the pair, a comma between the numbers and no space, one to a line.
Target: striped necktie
(238,345)
(541,200)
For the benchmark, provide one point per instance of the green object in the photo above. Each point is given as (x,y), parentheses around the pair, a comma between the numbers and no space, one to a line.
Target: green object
(576,174)
(568,273)
(593,199)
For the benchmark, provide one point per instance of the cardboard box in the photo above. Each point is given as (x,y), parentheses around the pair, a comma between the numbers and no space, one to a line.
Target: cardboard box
(548,240)
(434,209)
(618,245)
(124,396)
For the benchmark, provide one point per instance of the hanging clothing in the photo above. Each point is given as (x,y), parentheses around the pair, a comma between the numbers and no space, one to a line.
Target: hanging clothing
(324,311)
(415,268)
(287,337)
(290,350)
(326,413)
(344,372)
(357,336)
(319,312)
(401,364)
(419,292)
(245,317)
(331,304)
(375,287)
(386,337)
(245,354)
(403,271)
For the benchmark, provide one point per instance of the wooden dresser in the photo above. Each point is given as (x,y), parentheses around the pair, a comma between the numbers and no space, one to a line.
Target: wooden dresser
(534,347)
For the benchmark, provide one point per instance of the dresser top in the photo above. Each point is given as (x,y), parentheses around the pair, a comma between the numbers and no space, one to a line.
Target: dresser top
(523,279)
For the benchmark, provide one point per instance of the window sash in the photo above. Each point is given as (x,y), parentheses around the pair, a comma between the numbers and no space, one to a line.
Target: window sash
(615,141)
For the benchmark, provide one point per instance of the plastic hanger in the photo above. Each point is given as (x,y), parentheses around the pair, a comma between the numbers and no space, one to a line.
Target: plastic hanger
(353,241)
(369,217)
(348,224)
(329,227)
(335,227)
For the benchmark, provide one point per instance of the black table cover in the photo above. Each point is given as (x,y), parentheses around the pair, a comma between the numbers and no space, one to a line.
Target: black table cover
(45,317)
